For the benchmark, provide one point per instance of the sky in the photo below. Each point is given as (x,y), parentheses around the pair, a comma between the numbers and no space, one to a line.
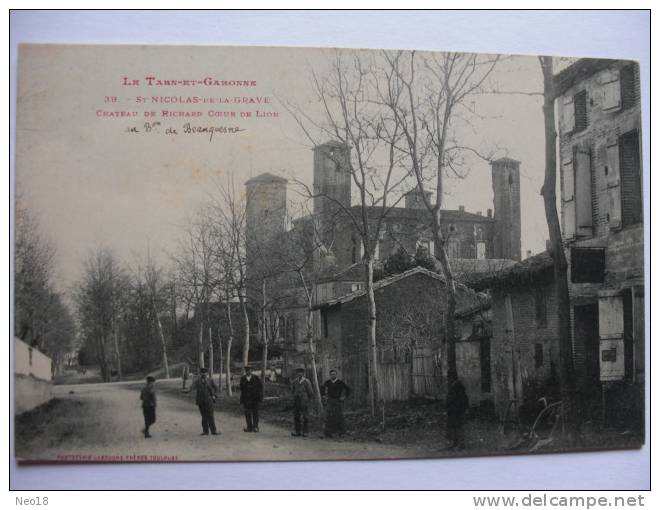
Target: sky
(92,183)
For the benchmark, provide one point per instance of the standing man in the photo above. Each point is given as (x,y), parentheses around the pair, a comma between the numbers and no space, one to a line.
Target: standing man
(205,394)
(334,391)
(302,394)
(148,397)
(457,405)
(251,396)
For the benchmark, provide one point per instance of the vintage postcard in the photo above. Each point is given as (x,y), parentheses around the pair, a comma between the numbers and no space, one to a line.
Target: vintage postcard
(258,254)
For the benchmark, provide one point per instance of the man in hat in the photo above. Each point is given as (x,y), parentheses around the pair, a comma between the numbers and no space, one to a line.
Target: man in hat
(334,390)
(302,395)
(205,394)
(251,395)
(457,405)
(148,397)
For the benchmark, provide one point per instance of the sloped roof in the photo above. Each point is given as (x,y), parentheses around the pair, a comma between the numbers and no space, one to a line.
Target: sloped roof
(520,273)
(583,69)
(346,298)
(350,273)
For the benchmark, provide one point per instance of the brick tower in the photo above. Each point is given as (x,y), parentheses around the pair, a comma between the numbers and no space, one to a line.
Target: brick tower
(506,199)
(265,217)
(332,185)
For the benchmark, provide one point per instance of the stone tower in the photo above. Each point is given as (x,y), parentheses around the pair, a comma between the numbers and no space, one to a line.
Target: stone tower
(265,216)
(332,184)
(506,199)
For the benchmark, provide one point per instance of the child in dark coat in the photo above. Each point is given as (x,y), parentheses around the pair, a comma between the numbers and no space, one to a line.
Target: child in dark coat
(148,397)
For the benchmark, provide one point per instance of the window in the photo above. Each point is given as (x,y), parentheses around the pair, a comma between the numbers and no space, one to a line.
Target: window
(538,355)
(612,181)
(425,244)
(568,197)
(611,90)
(583,211)
(481,250)
(628,87)
(453,248)
(580,104)
(541,309)
(631,189)
(587,265)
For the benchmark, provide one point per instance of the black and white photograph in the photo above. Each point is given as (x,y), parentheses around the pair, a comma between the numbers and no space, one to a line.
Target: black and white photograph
(250,253)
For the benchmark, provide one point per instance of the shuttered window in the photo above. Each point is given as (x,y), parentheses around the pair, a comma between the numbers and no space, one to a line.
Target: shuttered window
(631,195)
(568,198)
(613,184)
(580,102)
(628,86)
(611,90)
(610,331)
(582,165)
(568,115)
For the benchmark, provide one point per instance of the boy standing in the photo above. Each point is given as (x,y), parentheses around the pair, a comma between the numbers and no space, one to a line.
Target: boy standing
(148,397)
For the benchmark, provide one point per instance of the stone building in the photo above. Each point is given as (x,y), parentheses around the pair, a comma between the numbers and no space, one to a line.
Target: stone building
(524,346)
(602,218)
(329,237)
(411,339)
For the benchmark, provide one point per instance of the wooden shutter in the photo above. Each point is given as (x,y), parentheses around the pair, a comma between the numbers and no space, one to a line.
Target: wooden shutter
(582,161)
(568,198)
(568,115)
(610,330)
(613,184)
(611,90)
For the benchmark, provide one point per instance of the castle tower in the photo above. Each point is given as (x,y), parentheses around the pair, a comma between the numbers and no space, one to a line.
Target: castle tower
(506,199)
(265,216)
(332,184)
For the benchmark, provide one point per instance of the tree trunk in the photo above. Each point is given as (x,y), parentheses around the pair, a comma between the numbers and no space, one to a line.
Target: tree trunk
(163,345)
(103,364)
(264,334)
(117,351)
(450,327)
(312,351)
(200,343)
(246,326)
(230,341)
(220,358)
(548,191)
(372,347)
(211,352)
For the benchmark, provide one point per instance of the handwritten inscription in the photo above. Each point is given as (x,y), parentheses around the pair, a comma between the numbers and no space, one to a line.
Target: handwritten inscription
(187,129)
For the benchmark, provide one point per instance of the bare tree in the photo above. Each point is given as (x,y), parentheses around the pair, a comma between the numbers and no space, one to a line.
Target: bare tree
(99,296)
(229,234)
(195,276)
(566,369)
(158,296)
(350,115)
(423,94)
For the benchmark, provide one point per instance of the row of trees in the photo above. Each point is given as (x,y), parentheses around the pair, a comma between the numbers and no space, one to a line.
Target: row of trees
(41,316)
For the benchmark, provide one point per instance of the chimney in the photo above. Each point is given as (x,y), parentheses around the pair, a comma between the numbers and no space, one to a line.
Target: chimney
(489,213)
(461,208)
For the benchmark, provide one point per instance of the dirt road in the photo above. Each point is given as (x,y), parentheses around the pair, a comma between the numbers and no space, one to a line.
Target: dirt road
(102,422)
